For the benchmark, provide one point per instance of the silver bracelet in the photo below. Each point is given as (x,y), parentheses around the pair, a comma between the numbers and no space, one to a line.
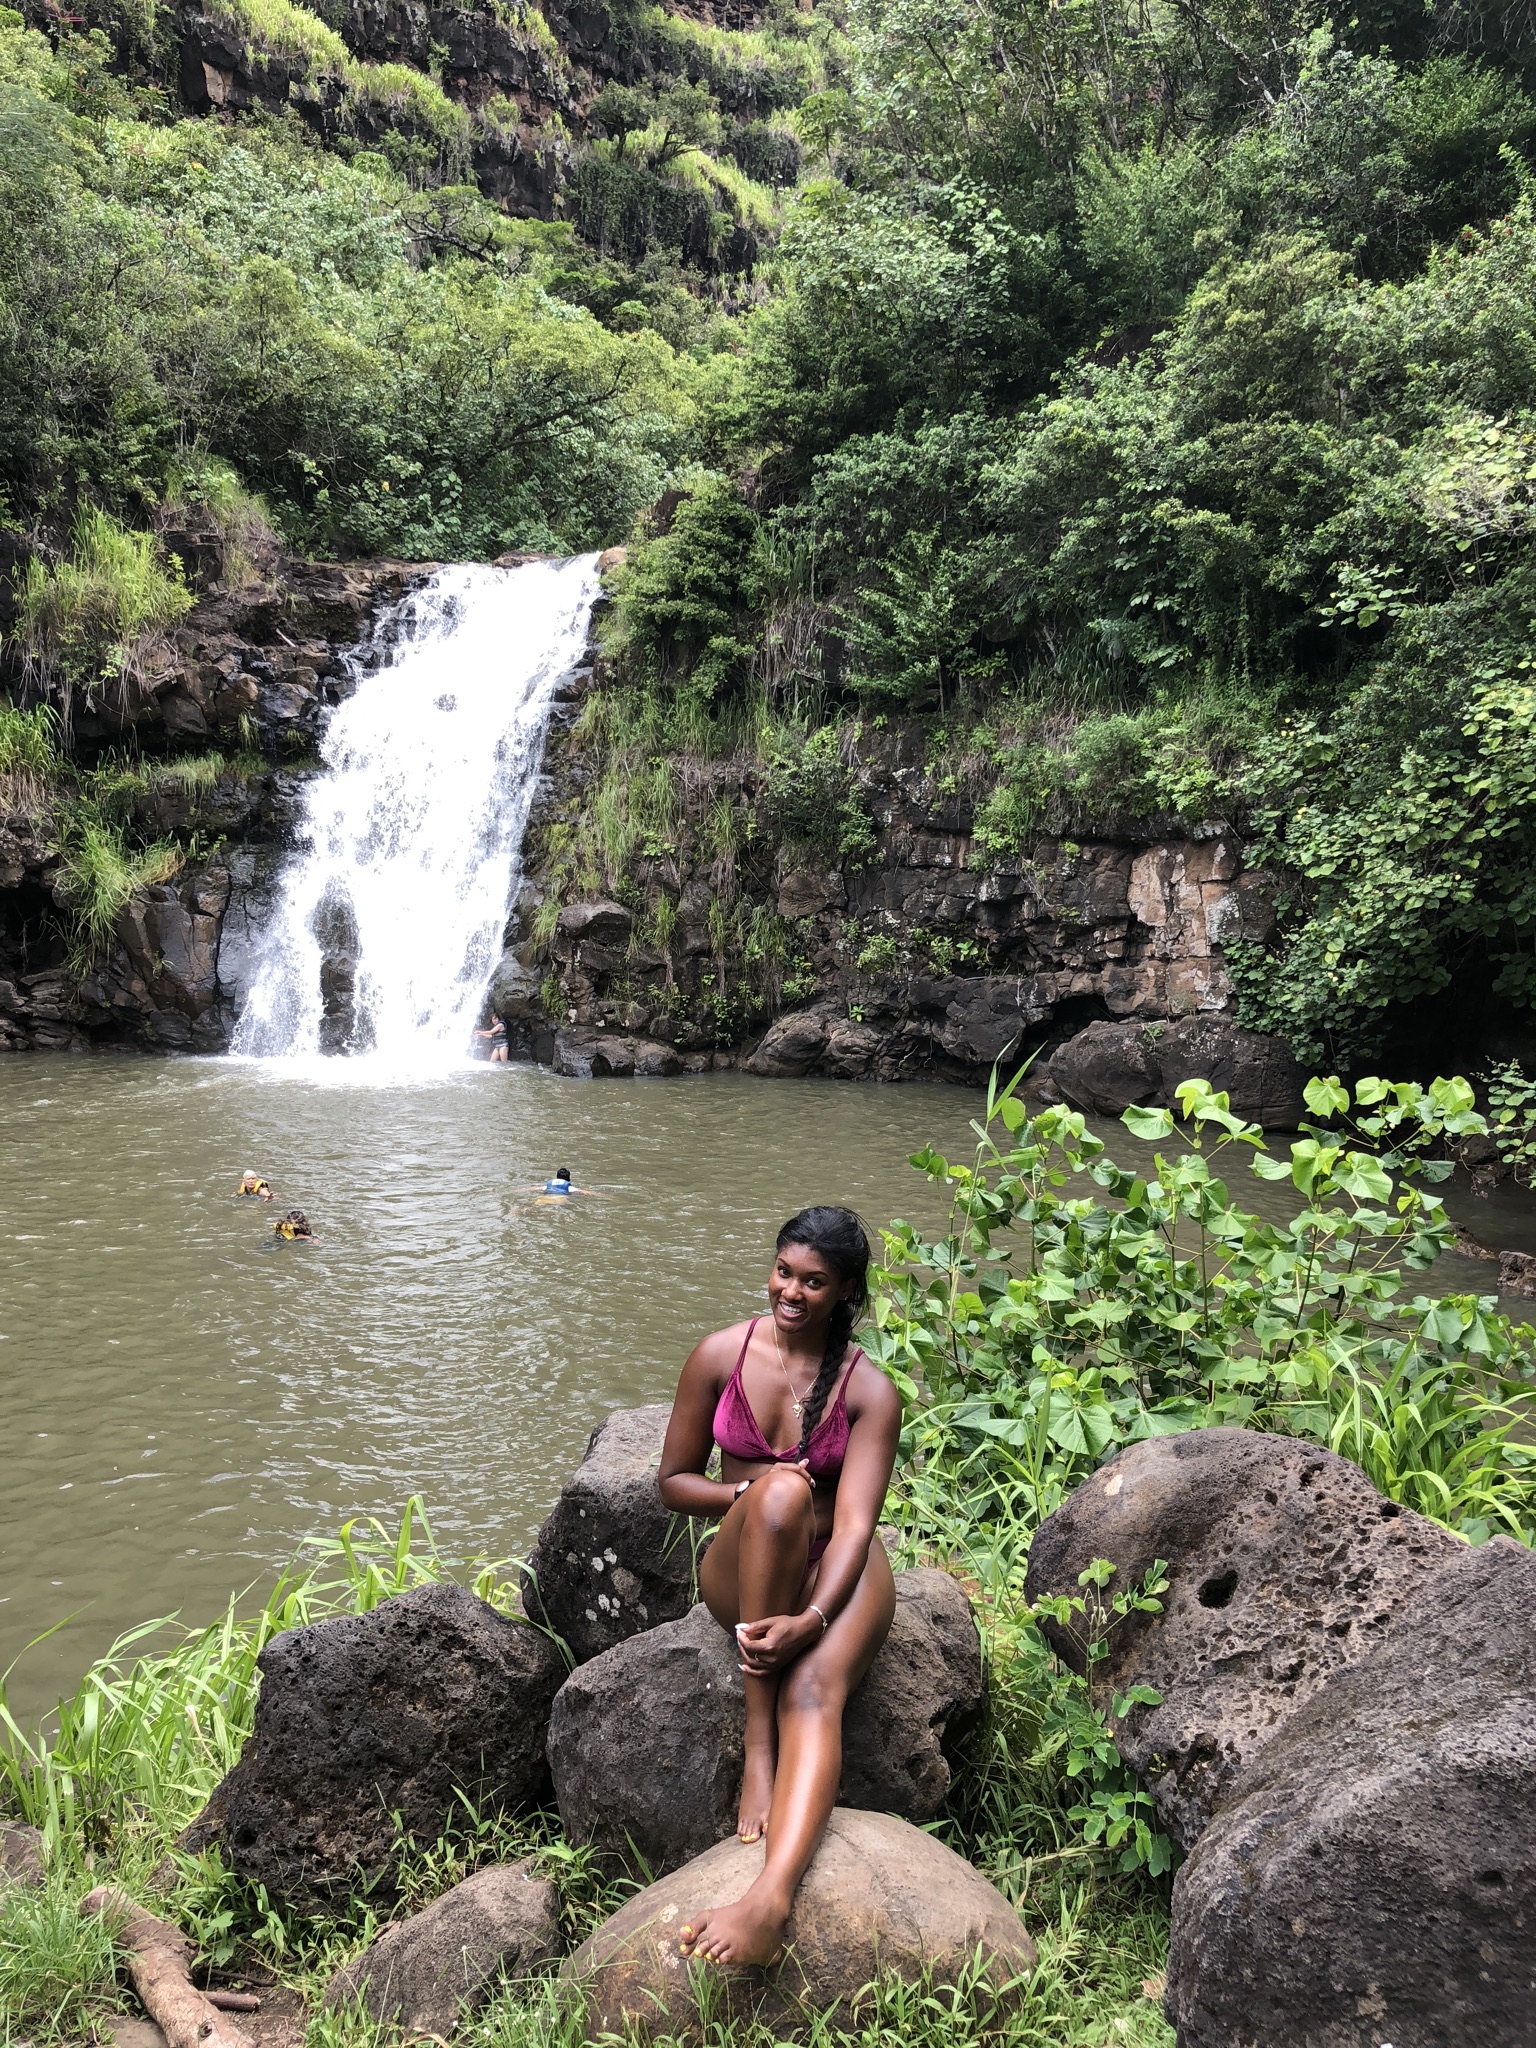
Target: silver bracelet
(816,1610)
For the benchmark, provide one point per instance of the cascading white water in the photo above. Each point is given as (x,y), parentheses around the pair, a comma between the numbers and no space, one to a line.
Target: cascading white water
(409,838)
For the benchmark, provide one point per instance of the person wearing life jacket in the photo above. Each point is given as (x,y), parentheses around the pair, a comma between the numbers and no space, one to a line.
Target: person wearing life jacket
(495,1036)
(294,1228)
(252,1184)
(558,1186)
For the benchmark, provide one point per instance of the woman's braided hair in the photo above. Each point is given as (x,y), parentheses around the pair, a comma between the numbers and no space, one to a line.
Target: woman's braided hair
(837,1236)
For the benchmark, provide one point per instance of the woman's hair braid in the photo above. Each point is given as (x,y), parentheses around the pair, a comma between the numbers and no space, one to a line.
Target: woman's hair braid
(837,1236)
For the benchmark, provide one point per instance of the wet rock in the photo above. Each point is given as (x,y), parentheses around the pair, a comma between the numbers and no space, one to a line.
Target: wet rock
(1285,1565)
(586,1055)
(608,924)
(21,1854)
(334,926)
(1517,1272)
(1107,1067)
(514,991)
(1373,1877)
(880,1895)
(792,1045)
(610,1560)
(1258,1072)
(425,1973)
(368,1717)
(645,1742)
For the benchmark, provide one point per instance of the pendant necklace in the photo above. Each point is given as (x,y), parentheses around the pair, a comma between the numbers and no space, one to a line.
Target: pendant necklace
(795,1401)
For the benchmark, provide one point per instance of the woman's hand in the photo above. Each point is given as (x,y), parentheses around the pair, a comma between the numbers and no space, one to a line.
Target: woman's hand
(767,1646)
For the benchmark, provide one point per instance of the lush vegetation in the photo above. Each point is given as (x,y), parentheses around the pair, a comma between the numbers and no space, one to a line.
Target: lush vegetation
(1073,1307)
(1148,397)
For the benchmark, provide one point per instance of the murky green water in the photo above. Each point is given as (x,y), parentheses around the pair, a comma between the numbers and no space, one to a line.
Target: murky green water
(184,1399)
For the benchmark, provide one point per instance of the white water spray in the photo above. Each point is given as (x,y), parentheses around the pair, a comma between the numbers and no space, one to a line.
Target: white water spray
(389,918)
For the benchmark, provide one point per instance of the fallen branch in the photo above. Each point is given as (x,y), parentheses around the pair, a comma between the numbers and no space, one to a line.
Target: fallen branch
(234,2001)
(159,1959)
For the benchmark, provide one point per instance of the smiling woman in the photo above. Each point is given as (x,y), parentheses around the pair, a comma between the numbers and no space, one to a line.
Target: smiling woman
(806,1428)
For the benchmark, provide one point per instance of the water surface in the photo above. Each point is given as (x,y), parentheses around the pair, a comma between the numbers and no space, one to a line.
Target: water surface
(185,1399)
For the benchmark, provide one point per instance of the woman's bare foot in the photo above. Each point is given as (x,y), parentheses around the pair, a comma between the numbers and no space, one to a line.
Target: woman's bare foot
(751,1931)
(757,1777)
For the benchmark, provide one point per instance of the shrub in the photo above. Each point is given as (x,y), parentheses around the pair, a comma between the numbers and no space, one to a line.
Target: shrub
(91,618)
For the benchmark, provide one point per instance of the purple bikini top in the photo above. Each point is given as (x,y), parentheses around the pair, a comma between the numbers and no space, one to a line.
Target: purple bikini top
(739,1434)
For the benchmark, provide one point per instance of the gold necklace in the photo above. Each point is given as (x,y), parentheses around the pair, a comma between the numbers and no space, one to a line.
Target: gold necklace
(795,1401)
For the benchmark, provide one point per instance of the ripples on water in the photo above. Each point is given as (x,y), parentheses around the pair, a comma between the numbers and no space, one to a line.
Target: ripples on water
(185,1399)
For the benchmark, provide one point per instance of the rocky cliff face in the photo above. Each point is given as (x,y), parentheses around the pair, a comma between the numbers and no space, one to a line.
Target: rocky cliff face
(921,954)
(240,689)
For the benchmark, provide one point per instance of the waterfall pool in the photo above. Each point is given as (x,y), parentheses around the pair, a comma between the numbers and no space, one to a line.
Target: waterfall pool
(185,1399)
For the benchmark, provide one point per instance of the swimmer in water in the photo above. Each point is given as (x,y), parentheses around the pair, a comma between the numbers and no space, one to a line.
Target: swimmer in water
(294,1228)
(253,1184)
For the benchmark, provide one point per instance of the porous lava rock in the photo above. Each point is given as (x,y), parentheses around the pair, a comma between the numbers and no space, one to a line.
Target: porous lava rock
(880,1895)
(611,1560)
(1372,1878)
(1284,1565)
(371,1717)
(423,1974)
(645,1742)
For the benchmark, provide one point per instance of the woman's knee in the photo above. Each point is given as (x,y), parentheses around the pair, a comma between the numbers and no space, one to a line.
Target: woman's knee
(781,1503)
(814,1688)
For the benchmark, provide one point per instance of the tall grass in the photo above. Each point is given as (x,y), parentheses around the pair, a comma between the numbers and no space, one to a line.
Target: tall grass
(29,759)
(157,1722)
(102,875)
(92,618)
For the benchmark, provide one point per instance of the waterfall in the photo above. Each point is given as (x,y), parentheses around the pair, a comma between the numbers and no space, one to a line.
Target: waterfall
(389,916)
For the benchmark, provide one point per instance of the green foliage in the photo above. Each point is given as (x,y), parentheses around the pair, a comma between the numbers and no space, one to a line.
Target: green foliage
(194,309)
(684,595)
(1048,1330)
(1512,1117)
(56,1964)
(101,875)
(89,619)
(812,799)
(153,1728)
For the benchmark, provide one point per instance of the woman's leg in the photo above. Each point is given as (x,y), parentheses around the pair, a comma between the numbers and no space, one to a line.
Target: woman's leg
(755,1568)
(811,1698)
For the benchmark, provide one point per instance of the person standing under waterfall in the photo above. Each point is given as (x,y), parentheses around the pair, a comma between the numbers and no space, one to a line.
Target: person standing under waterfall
(807,1430)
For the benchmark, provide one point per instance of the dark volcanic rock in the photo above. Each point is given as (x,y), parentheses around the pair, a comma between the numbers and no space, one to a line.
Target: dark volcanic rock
(1373,1878)
(1284,1564)
(425,1972)
(880,1895)
(1107,1067)
(645,1742)
(611,1560)
(371,1716)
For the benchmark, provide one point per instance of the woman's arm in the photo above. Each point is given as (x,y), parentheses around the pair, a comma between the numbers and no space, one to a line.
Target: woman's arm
(691,1435)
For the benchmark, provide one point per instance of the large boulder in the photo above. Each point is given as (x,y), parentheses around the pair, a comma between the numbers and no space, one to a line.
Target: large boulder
(372,1718)
(1373,1877)
(645,1742)
(1285,1565)
(424,1973)
(611,1560)
(1106,1067)
(879,1896)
